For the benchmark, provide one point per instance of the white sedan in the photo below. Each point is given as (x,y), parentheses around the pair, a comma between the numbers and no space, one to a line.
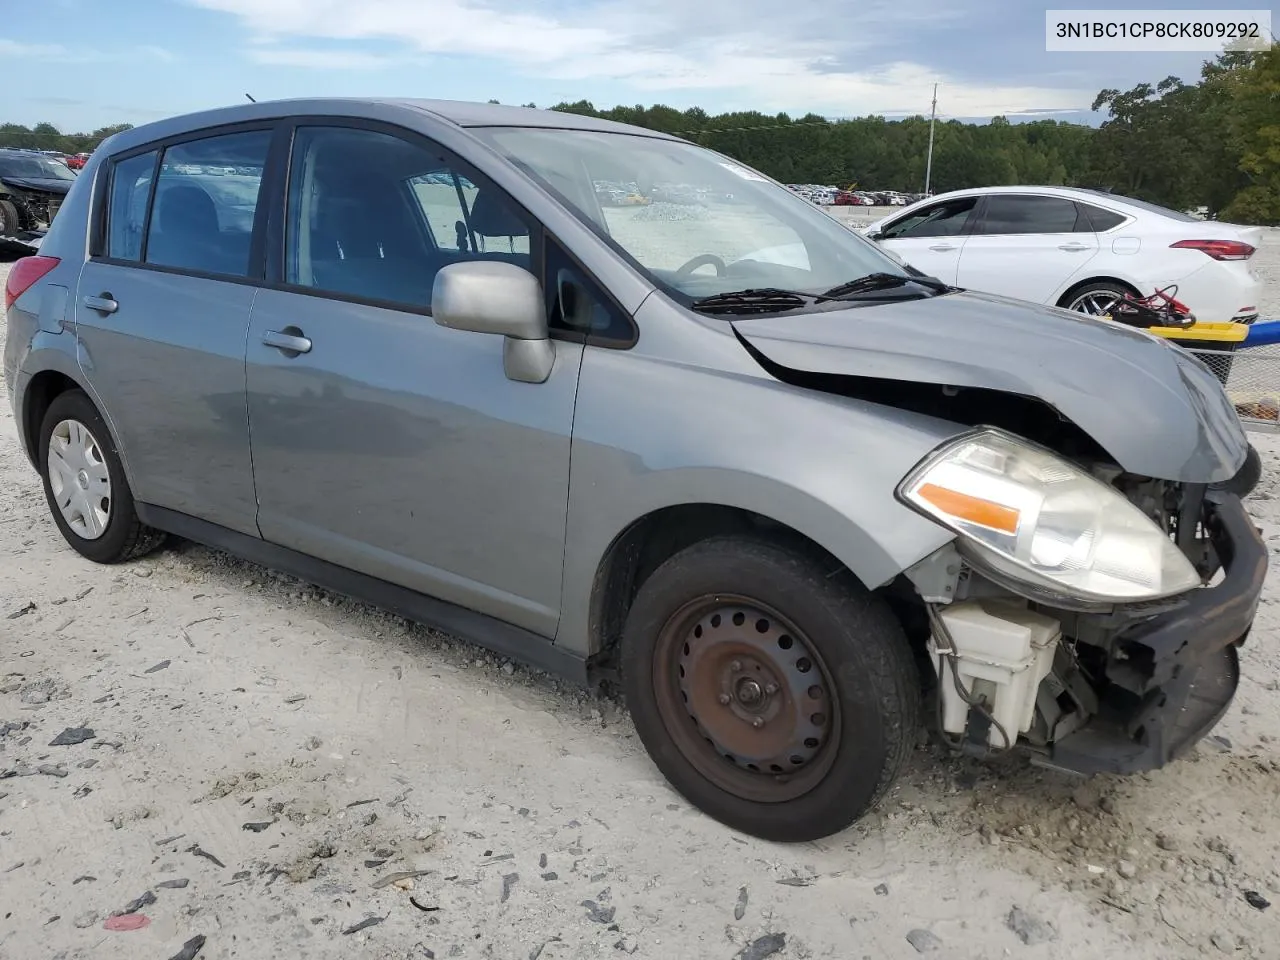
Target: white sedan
(1080,249)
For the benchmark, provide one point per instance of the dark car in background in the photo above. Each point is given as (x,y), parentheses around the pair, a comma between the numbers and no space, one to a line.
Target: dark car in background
(32,187)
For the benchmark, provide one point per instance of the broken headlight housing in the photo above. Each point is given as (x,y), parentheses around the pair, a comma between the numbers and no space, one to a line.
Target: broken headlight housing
(1034,518)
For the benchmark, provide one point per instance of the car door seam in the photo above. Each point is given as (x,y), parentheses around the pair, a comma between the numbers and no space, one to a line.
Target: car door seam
(248,413)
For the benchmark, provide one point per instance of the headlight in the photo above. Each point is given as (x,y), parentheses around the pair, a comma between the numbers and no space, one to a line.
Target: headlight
(1040,520)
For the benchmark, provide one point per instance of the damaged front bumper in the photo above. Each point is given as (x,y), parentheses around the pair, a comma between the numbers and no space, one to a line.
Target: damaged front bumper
(1171,676)
(1119,690)
(23,243)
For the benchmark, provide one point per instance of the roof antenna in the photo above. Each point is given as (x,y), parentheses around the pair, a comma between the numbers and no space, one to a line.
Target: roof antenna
(251,100)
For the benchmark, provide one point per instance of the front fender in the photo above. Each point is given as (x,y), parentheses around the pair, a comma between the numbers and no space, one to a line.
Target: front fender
(651,434)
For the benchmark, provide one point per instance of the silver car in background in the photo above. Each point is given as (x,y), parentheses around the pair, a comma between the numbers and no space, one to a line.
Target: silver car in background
(716,447)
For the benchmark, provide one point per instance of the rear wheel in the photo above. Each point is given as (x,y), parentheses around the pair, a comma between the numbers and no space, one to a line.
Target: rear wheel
(1095,297)
(778,698)
(85,485)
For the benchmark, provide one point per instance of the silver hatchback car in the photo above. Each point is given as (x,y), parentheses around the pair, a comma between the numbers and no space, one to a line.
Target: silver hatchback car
(708,443)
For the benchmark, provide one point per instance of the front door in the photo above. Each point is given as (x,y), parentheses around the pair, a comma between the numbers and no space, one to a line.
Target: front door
(161,322)
(932,237)
(1027,246)
(381,441)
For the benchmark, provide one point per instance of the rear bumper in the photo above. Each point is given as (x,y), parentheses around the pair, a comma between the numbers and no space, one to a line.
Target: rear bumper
(1173,675)
(1221,291)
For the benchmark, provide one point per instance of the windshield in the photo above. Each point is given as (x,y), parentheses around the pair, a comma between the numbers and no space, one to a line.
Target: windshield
(696,222)
(34,168)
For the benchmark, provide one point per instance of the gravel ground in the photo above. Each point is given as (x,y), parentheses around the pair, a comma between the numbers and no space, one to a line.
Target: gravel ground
(268,761)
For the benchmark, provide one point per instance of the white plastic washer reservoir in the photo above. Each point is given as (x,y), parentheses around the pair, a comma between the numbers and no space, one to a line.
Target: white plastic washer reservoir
(1003,651)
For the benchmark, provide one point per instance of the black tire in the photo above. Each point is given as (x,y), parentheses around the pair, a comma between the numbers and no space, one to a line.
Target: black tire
(124,536)
(10,222)
(1246,477)
(1093,288)
(861,652)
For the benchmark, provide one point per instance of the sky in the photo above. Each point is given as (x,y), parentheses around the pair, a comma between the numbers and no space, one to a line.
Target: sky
(84,64)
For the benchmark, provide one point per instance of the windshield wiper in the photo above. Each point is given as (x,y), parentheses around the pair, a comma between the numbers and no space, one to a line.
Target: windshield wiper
(881,281)
(756,300)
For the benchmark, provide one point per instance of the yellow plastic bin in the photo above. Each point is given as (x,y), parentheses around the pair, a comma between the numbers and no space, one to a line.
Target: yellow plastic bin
(1217,340)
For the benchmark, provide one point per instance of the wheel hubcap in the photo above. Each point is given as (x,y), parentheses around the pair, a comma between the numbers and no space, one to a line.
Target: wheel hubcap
(1095,302)
(79,479)
(746,698)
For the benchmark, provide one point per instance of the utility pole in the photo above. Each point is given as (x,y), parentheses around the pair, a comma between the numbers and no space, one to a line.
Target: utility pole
(928,165)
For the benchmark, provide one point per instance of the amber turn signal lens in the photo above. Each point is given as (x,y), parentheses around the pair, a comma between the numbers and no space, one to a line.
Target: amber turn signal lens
(971,509)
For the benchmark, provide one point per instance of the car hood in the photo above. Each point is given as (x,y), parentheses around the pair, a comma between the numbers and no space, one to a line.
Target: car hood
(48,185)
(1155,409)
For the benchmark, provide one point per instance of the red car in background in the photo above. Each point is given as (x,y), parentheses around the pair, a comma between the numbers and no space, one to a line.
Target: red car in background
(845,198)
(77,161)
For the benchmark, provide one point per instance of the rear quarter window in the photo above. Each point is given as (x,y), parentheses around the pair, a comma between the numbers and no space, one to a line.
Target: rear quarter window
(127,216)
(1098,219)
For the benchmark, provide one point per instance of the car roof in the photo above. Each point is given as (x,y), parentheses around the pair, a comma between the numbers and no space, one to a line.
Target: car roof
(460,113)
(1073,192)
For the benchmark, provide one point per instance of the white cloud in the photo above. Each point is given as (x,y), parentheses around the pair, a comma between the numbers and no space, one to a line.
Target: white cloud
(37,51)
(318,59)
(157,53)
(751,52)
(57,53)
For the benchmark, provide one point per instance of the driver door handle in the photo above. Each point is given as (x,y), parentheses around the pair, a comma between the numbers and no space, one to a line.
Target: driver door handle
(942,247)
(104,303)
(288,342)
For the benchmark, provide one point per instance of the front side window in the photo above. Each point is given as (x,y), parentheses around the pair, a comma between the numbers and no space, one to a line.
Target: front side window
(205,198)
(126,218)
(945,219)
(693,221)
(1014,214)
(375,217)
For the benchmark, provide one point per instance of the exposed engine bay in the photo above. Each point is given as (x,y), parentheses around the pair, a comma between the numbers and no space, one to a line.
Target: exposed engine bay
(36,207)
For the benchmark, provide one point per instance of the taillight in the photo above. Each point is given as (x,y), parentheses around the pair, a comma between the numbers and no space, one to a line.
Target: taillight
(23,274)
(1218,249)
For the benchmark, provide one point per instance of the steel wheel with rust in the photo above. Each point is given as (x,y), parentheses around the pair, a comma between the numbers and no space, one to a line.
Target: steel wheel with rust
(778,698)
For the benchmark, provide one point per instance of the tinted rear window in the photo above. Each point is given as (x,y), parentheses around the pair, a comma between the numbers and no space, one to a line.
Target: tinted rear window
(1013,214)
(205,199)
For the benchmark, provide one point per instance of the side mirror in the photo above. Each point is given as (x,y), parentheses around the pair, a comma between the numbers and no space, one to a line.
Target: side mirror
(873,235)
(488,296)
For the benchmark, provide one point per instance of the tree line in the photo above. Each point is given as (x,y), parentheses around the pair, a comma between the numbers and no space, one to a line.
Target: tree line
(1213,143)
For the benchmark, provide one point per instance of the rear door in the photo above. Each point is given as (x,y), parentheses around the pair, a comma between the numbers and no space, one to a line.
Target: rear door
(162,310)
(932,237)
(1027,246)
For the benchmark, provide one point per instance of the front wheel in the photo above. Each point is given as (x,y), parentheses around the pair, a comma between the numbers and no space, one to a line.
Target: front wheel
(10,222)
(85,485)
(778,698)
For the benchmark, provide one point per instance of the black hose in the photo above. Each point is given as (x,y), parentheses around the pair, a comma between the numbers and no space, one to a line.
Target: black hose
(941,628)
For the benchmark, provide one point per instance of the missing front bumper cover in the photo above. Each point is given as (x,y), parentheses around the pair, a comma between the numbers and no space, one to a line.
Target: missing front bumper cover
(1173,675)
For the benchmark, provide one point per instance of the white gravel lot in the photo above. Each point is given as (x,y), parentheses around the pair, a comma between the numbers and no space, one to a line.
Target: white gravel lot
(316,747)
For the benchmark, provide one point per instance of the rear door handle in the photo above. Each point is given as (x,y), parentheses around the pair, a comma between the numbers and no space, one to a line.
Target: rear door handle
(1073,247)
(292,343)
(942,247)
(104,303)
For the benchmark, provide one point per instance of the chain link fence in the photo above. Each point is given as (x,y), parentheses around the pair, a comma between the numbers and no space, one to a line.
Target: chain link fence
(1252,379)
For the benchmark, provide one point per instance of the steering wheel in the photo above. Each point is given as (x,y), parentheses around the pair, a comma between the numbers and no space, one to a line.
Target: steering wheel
(701,261)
